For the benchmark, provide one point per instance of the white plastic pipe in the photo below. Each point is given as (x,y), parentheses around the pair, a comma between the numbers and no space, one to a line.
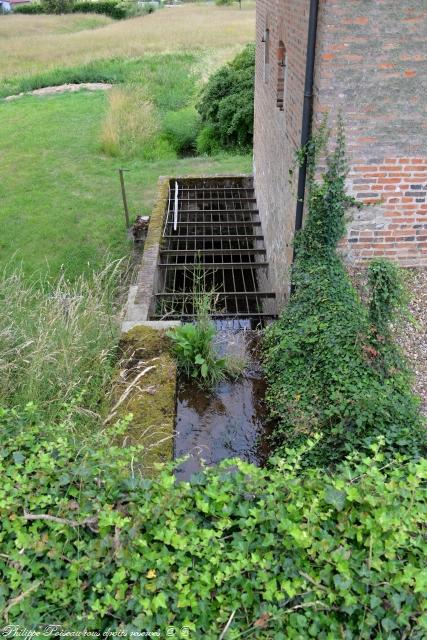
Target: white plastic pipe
(175,213)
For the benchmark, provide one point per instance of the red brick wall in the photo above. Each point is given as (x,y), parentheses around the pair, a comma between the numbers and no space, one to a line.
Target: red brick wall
(395,222)
(278,133)
(372,66)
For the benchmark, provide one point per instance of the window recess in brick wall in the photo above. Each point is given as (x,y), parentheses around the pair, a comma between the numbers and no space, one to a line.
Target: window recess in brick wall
(281,76)
(266,41)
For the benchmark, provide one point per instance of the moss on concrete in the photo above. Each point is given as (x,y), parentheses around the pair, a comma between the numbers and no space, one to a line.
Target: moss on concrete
(158,214)
(152,399)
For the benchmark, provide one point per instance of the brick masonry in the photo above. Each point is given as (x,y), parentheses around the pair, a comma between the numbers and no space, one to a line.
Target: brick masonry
(371,64)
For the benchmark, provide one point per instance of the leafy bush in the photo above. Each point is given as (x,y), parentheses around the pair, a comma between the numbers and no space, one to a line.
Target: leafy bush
(89,544)
(227,103)
(181,128)
(57,344)
(57,6)
(207,141)
(325,372)
(106,7)
(29,9)
(111,9)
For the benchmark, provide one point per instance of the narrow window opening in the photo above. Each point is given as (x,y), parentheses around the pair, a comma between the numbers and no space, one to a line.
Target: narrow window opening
(282,69)
(266,41)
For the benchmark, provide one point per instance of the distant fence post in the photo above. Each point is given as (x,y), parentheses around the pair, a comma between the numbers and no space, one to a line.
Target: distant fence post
(125,204)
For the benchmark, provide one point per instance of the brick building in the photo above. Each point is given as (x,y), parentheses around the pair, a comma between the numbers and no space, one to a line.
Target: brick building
(368,59)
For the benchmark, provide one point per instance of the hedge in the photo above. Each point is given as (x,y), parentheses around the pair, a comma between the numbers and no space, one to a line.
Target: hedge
(111,9)
(89,544)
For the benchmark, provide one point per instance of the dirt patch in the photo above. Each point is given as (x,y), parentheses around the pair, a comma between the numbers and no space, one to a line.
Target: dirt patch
(63,88)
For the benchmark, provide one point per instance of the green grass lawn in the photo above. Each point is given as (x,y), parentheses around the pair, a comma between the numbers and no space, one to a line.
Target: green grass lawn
(61,202)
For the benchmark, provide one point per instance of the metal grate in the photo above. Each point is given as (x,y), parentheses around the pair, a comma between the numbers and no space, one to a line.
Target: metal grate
(212,231)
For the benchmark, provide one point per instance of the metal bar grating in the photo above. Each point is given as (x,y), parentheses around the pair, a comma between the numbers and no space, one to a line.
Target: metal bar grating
(212,231)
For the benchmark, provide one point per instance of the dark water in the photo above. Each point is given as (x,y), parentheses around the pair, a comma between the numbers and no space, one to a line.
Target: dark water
(229,422)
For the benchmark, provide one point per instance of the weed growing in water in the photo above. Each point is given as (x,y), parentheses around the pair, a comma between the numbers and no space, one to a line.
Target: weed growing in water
(193,344)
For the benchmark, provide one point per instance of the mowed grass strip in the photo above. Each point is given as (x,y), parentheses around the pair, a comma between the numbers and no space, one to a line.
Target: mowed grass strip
(182,28)
(61,203)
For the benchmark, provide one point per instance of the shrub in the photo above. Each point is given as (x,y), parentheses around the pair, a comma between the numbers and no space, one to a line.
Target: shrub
(29,9)
(89,544)
(207,141)
(227,102)
(181,128)
(57,344)
(105,7)
(57,6)
(111,9)
(325,373)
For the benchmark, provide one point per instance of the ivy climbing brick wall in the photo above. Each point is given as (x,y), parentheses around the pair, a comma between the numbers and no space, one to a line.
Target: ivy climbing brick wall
(371,64)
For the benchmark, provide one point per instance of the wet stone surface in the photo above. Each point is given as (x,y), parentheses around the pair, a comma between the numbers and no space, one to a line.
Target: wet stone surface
(229,422)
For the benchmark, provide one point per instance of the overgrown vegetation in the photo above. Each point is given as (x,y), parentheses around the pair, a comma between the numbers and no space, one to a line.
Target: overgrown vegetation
(331,364)
(194,344)
(226,106)
(131,127)
(89,544)
(58,344)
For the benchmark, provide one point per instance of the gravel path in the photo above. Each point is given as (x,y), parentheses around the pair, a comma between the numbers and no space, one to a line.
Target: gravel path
(62,88)
(412,336)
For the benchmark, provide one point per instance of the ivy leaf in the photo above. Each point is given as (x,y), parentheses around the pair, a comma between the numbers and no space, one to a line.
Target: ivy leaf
(335,498)
(18,457)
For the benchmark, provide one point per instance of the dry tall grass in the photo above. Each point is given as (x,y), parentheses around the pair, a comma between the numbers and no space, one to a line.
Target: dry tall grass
(131,124)
(180,28)
(57,344)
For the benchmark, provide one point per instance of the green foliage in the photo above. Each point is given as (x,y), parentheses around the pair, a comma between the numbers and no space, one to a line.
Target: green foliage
(226,104)
(221,3)
(181,128)
(293,555)
(326,374)
(194,352)
(30,9)
(387,295)
(57,6)
(112,9)
(207,141)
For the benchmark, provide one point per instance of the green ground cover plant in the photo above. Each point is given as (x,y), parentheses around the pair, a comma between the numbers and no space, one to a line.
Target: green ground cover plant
(226,106)
(88,543)
(331,365)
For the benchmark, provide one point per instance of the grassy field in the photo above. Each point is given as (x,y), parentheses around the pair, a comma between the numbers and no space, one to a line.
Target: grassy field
(30,44)
(60,193)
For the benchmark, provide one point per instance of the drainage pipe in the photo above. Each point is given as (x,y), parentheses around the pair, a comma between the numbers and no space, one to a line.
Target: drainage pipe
(307,113)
